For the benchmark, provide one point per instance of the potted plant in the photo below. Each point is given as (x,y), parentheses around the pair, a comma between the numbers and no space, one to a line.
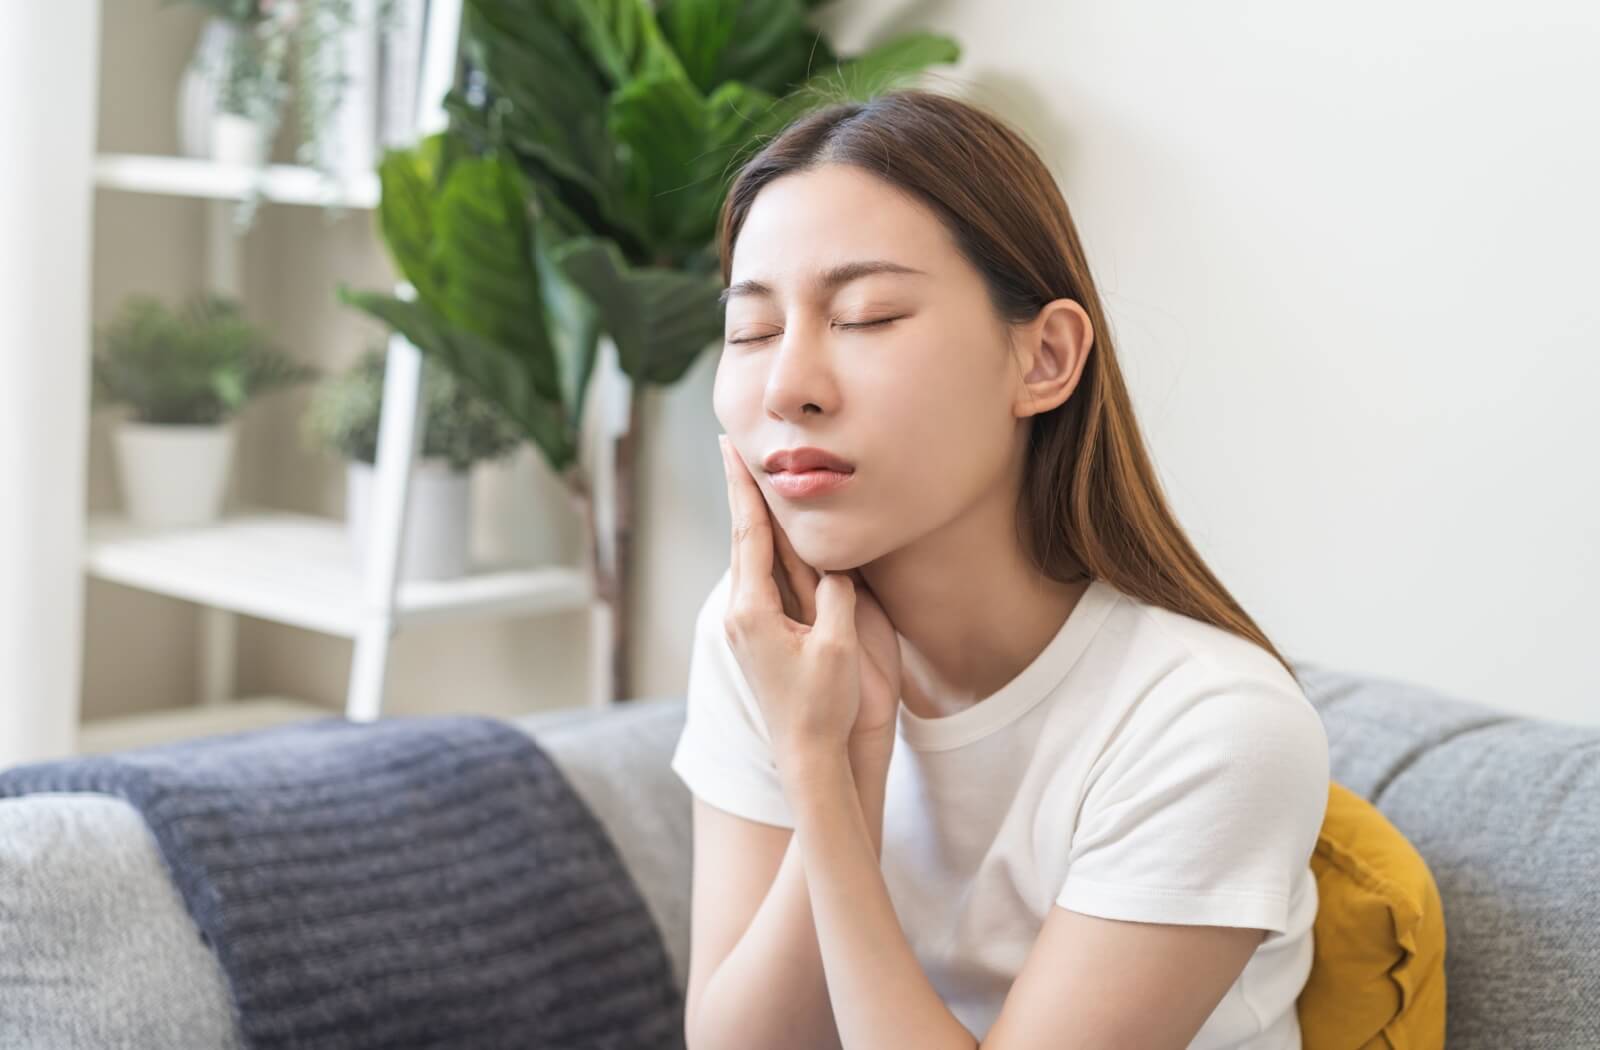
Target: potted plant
(574,196)
(253,56)
(186,374)
(460,428)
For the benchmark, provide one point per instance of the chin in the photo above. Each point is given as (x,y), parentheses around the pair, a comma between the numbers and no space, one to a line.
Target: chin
(824,552)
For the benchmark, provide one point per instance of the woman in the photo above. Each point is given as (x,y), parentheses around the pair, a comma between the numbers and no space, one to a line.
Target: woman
(981,750)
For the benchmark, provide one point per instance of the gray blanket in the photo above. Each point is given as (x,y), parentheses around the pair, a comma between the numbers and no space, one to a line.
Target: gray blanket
(404,883)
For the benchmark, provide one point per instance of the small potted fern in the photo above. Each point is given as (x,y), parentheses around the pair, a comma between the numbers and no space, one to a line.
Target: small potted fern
(186,373)
(460,428)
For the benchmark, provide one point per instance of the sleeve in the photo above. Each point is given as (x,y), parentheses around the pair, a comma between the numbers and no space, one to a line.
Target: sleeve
(1205,813)
(724,753)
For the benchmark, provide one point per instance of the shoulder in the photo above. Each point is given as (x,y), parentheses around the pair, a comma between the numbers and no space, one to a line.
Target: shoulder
(1209,648)
(1207,793)
(1210,697)
(1212,672)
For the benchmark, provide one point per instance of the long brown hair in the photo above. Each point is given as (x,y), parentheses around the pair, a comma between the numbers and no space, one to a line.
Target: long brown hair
(1090,501)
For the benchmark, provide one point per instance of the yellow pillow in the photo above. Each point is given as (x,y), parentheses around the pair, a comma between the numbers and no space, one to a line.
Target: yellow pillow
(1377,970)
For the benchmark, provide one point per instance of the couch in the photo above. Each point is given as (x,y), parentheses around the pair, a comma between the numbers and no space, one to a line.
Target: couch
(97,951)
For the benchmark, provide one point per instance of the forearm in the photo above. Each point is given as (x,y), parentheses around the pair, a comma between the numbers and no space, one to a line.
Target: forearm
(870,769)
(780,950)
(881,995)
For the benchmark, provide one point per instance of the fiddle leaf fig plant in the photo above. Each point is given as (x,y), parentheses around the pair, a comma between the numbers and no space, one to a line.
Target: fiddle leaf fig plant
(575,192)
(464,241)
(576,189)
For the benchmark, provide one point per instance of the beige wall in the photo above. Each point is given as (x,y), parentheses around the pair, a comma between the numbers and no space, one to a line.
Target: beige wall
(1348,261)
(137,647)
(1347,251)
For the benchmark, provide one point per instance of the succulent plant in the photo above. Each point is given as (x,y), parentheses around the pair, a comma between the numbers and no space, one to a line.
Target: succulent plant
(458,424)
(200,363)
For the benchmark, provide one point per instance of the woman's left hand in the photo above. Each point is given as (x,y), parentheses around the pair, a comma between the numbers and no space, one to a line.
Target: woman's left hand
(807,678)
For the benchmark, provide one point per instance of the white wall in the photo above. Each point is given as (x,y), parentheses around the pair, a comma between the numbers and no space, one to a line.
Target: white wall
(44,321)
(1349,253)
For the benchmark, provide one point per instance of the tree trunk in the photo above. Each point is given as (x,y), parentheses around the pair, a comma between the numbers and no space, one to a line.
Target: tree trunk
(611,585)
(622,673)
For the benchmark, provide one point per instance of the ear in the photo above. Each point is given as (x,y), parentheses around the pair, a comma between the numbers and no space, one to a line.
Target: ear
(1051,351)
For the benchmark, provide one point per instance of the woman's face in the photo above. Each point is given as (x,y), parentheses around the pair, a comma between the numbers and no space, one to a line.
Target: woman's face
(906,375)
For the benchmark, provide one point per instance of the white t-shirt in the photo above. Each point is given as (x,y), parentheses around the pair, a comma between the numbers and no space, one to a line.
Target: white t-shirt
(1145,766)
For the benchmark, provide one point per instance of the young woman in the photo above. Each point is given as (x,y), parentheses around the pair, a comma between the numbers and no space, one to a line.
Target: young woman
(982,752)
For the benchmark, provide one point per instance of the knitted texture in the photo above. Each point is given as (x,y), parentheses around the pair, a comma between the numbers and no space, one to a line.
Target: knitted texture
(404,883)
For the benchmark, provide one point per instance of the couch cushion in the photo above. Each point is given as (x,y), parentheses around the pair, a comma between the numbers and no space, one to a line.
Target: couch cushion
(96,947)
(618,762)
(1506,812)
(1377,974)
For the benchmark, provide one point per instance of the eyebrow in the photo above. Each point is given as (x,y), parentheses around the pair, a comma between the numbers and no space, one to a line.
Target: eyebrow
(827,280)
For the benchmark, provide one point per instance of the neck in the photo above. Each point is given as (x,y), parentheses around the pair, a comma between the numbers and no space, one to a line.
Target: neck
(971,612)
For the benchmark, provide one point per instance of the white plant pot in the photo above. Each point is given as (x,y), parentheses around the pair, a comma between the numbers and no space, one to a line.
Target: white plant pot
(438,508)
(174,473)
(200,85)
(237,140)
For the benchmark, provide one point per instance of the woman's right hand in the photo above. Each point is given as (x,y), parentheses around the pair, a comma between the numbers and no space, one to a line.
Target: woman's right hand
(874,729)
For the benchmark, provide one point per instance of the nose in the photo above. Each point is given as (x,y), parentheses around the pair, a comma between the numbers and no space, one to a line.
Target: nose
(801,379)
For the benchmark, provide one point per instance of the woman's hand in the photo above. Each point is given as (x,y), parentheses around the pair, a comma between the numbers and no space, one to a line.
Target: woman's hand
(818,649)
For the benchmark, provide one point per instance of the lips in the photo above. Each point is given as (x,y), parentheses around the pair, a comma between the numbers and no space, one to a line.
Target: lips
(798,460)
(807,484)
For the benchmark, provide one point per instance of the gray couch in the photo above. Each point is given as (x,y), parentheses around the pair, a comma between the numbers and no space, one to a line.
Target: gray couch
(96,950)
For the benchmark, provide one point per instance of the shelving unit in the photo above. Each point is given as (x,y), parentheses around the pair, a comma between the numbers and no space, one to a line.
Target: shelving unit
(296,569)
(195,177)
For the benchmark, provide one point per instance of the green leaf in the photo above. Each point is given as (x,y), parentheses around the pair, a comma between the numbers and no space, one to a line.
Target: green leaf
(574,322)
(621,37)
(768,45)
(557,62)
(661,319)
(677,154)
(405,214)
(496,374)
(558,97)
(888,66)
(699,32)
(485,247)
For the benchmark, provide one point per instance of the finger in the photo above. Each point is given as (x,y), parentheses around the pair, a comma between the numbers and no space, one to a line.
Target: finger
(752,534)
(780,571)
(733,548)
(791,601)
(836,606)
(801,578)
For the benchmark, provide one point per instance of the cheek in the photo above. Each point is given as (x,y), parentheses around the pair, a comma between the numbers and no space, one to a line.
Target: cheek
(943,418)
(939,440)
(735,398)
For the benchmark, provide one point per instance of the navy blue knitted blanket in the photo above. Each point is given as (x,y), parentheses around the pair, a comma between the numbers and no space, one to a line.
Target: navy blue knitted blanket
(403,883)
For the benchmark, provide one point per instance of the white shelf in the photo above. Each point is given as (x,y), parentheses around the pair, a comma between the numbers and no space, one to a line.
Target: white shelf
(298,569)
(105,735)
(197,177)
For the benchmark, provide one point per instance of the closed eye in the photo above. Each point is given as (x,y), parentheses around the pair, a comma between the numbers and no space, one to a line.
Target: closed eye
(855,324)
